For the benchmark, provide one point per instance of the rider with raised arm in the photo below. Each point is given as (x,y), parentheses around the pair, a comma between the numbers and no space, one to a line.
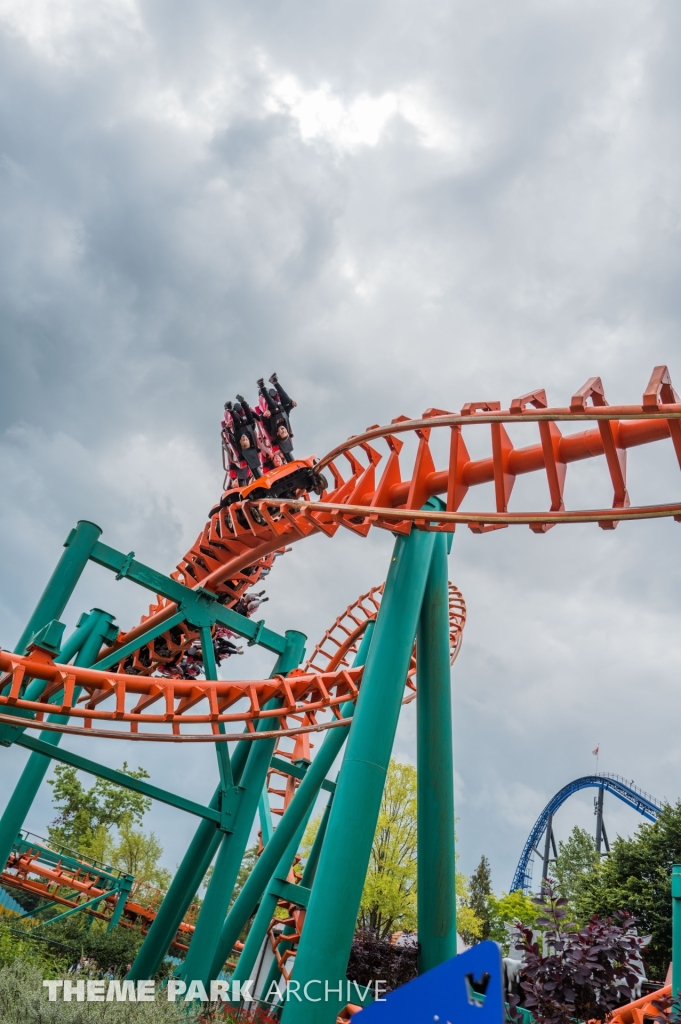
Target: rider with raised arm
(276,406)
(244,431)
(237,466)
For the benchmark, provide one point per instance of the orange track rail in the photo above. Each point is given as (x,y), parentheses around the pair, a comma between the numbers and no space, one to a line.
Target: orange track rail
(240,539)
(245,535)
(139,906)
(636,1012)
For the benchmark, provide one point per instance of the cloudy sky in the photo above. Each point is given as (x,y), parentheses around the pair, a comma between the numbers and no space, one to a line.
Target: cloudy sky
(395,206)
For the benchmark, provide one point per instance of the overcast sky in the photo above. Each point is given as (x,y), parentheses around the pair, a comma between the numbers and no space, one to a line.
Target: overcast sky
(395,206)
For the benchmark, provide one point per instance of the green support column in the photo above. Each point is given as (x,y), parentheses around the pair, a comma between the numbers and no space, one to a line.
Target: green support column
(123,893)
(21,800)
(176,901)
(184,885)
(278,855)
(265,815)
(211,918)
(332,913)
(435,771)
(210,671)
(79,546)
(268,904)
(676,930)
(269,862)
(307,881)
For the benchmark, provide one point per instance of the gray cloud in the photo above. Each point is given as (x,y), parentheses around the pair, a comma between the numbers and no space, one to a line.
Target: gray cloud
(394,207)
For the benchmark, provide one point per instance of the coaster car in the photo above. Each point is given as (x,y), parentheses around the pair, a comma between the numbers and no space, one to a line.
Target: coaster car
(292,480)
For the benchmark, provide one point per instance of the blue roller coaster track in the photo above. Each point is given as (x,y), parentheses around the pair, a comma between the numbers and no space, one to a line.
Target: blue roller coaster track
(624,789)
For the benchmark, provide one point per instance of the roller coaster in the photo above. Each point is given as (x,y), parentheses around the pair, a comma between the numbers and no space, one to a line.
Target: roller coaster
(623,789)
(395,645)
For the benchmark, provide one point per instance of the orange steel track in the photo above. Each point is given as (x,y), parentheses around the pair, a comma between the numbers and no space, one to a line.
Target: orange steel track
(244,537)
(641,1009)
(333,652)
(140,906)
(304,693)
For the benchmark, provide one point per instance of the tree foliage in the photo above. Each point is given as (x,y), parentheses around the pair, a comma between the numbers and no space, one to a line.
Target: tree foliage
(85,815)
(576,858)
(584,974)
(389,896)
(636,877)
(103,822)
(138,853)
(509,909)
(468,924)
(480,888)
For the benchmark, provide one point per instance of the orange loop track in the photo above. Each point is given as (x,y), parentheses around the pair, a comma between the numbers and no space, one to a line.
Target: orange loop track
(240,540)
(304,694)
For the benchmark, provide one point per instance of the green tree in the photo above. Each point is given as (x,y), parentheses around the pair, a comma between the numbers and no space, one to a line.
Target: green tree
(389,896)
(104,822)
(138,854)
(85,815)
(469,926)
(636,877)
(480,887)
(505,911)
(577,857)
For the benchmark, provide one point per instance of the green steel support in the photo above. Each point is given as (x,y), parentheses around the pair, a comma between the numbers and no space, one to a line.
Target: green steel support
(38,764)
(298,769)
(72,910)
(84,764)
(123,893)
(231,852)
(435,771)
(184,885)
(276,859)
(312,861)
(176,901)
(676,929)
(63,857)
(265,815)
(79,546)
(309,873)
(332,913)
(270,860)
(82,642)
(210,670)
(37,910)
(268,903)
(121,653)
(198,607)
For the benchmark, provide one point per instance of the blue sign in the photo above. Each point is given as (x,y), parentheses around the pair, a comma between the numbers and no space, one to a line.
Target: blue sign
(465,990)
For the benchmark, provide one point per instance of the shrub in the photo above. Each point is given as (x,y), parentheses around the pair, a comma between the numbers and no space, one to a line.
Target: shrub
(51,957)
(23,1000)
(586,973)
(232,1015)
(116,949)
(373,959)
